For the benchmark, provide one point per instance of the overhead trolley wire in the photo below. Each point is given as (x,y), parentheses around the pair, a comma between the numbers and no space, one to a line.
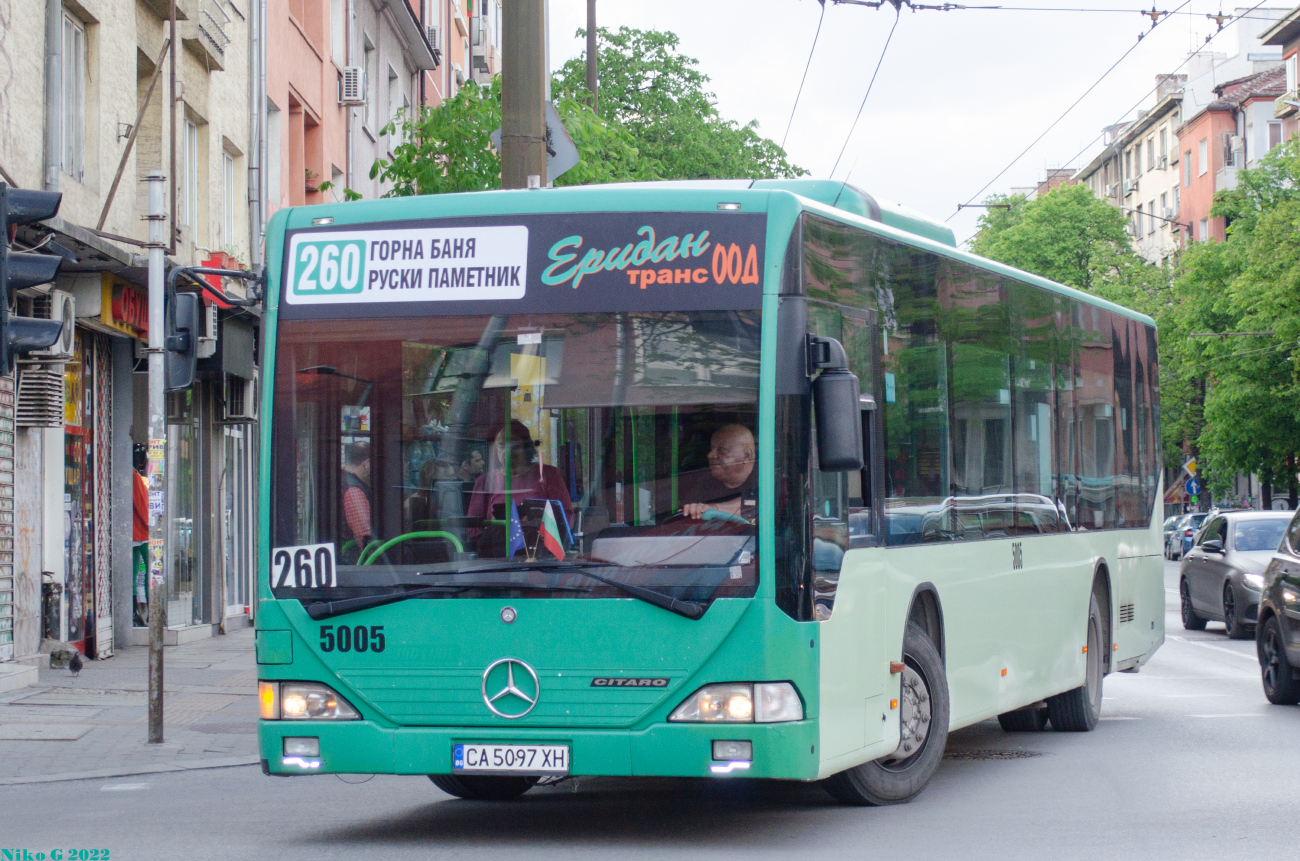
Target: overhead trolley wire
(811,50)
(870,84)
(1057,121)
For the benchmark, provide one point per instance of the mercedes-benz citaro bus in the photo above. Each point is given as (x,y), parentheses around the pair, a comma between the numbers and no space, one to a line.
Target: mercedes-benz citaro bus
(710,479)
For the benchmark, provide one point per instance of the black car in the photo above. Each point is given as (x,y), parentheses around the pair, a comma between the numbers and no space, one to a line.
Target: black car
(1277,636)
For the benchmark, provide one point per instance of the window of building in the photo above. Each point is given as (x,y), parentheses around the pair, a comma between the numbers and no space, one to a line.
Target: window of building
(73,115)
(1137,221)
(1291,76)
(1228,155)
(1175,201)
(188,193)
(1274,134)
(338,34)
(1151,213)
(1128,162)
(228,199)
(1202,156)
(1164,205)
(1151,153)
(394,94)
(1203,230)
(1164,142)
(1187,168)
(1137,159)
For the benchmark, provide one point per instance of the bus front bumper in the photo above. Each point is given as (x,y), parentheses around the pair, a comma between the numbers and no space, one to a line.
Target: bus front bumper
(784,750)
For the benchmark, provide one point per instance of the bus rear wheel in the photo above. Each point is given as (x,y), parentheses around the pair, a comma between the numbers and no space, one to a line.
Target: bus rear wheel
(1032,719)
(1079,710)
(923,718)
(481,788)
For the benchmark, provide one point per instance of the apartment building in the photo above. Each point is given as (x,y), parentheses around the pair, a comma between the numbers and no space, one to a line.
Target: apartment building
(1285,34)
(97,94)
(1234,131)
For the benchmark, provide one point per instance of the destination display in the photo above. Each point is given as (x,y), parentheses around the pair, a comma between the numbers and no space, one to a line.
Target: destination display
(553,262)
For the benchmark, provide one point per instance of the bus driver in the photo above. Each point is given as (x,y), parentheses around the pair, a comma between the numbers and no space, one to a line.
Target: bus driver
(731,468)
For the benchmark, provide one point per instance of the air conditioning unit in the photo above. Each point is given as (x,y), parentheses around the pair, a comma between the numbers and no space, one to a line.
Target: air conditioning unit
(352,88)
(1110,190)
(1169,213)
(1236,143)
(460,74)
(40,397)
(207,346)
(1130,186)
(1130,229)
(238,401)
(435,36)
(1163,162)
(61,307)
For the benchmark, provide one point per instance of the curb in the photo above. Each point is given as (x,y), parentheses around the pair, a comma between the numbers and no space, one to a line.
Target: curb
(194,765)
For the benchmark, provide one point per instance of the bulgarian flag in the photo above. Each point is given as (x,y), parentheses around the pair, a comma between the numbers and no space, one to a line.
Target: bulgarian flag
(551,532)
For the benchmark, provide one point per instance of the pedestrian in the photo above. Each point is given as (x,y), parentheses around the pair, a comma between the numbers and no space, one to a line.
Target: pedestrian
(357,526)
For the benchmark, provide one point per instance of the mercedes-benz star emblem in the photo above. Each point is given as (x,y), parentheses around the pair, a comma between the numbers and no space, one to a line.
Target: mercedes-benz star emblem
(516,686)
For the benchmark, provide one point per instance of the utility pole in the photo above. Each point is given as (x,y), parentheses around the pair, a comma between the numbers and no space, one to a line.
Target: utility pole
(157,469)
(523,94)
(593,84)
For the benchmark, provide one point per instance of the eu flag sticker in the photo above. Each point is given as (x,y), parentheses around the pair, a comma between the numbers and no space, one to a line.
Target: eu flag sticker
(458,756)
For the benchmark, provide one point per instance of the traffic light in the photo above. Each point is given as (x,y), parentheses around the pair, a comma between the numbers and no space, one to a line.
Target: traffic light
(19,335)
(182,341)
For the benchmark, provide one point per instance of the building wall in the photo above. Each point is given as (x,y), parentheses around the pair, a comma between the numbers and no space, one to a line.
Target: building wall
(1199,172)
(1149,157)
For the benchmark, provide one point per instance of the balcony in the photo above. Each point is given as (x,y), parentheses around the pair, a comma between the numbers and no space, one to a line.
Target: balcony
(205,36)
(1282,109)
(1225,178)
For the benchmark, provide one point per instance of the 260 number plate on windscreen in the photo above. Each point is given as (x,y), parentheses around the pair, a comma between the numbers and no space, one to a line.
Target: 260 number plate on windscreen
(510,758)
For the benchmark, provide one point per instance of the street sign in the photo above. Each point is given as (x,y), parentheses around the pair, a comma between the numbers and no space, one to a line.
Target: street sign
(1193,487)
(561,153)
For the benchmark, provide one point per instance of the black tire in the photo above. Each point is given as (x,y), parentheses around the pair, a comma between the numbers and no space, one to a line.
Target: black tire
(1024,720)
(900,777)
(477,787)
(1233,626)
(1280,684)
(1191,621)
(1079,710)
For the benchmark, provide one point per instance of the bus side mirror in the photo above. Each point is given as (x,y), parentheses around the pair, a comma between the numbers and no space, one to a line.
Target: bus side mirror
(837,401)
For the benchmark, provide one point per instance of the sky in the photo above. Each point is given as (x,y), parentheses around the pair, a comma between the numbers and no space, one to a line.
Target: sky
(959,94)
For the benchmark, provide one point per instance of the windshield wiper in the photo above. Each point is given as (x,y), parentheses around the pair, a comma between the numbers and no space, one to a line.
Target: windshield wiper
(326,609)
(689,609)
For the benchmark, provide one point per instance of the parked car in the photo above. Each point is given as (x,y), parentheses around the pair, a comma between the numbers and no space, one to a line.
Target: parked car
(1222,576)
(1170,523)
(1180,540)
(1277,640)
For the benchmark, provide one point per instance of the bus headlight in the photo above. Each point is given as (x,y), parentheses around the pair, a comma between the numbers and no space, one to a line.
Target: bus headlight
(773,702)
(303,701)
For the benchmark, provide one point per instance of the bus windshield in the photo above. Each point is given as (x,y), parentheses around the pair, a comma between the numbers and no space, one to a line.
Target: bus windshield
(481,452)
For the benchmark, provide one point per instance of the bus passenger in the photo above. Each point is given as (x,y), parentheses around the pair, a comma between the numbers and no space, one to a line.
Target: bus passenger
(731,469)
(357,525)
(529,478)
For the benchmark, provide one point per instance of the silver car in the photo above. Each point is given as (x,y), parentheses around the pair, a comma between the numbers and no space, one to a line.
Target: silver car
(1221,576)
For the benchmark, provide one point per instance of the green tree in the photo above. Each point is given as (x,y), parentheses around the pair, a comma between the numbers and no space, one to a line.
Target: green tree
(1250,385)
(659,95)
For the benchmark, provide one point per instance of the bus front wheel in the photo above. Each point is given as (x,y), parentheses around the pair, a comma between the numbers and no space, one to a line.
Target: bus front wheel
(1079,710)
(923,719)
(480,788)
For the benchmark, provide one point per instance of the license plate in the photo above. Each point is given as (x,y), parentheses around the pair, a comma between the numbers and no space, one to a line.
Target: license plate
(510,758)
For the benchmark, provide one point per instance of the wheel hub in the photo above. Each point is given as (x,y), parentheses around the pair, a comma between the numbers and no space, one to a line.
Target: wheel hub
(913,716)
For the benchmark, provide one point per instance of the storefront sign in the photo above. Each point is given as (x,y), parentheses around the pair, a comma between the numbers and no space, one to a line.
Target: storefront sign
(124,308)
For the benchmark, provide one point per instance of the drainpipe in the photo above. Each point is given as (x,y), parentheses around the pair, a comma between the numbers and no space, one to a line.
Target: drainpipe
(53,91)
(256,132)
(171,94)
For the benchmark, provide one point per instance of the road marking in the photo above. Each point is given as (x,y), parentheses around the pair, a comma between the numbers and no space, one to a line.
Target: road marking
(1251,658)
(1119,717)
(124,787)
(1248,714)
(1192,696)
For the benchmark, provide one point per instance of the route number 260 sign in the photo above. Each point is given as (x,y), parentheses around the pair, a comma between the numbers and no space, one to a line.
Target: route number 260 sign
(304,567)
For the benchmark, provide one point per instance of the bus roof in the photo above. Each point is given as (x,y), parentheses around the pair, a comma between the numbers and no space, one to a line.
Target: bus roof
(829,198)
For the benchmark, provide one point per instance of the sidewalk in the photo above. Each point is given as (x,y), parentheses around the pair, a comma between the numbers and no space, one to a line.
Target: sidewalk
(96,725)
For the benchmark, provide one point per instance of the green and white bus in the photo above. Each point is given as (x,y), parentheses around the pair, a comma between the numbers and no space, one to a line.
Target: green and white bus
(753,478)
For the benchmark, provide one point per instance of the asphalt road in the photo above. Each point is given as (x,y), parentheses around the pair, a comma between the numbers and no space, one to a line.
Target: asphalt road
(1189,762)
